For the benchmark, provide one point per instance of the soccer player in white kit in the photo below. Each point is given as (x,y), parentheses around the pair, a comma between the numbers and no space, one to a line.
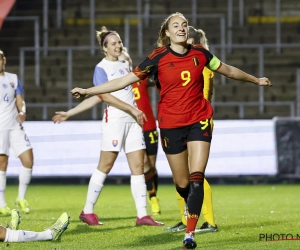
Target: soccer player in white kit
(119,131)
(12,135)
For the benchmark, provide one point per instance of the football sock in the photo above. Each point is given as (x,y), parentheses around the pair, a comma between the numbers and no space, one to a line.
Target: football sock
(195,200)
(181,204)
(2,188)
(24,236)
(155,178)
(139,193)
(183,192)
(24,180)
(207,207)
(94,190)
(150,183)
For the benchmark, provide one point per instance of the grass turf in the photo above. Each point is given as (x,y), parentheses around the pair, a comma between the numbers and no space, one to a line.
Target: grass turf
(242,213)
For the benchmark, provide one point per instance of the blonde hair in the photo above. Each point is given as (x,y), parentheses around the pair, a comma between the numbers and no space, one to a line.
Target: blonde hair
(103,34)
(2,54)
(163,39)
(198,36)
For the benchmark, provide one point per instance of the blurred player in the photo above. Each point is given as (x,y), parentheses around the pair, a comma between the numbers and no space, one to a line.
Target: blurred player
(198,36)
(12,135)
(141,97)
(119,131)
(12,234)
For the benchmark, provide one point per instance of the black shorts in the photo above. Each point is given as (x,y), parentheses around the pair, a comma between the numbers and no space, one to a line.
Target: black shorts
(174,140)
(151,140)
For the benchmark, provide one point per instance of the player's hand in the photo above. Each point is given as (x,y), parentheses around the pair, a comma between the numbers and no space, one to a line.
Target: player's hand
(21,117)
(78,92)
(60,116)
(139,116)
(264,82)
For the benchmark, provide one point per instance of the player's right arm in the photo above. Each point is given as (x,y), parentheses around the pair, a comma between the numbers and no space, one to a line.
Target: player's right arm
(110,86)
(61,116)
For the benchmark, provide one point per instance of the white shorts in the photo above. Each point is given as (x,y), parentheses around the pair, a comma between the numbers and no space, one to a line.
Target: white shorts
(15,139)
(126,135)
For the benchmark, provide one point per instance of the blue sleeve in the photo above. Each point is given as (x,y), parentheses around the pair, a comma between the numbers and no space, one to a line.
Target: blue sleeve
(20,89)
(100,76)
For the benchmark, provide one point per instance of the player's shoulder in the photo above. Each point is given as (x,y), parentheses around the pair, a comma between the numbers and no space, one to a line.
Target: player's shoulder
(198,47)
(11,76)
(160,51)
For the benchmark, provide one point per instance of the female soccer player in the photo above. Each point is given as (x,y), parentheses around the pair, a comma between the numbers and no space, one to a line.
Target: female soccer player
(198,36)
(141,97)
(119,130)
(12,135)
(183,113)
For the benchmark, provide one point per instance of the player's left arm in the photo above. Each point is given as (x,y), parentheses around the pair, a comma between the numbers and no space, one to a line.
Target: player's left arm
(117,103)
(20,103)
(237,74)
(21,106)
(234,73)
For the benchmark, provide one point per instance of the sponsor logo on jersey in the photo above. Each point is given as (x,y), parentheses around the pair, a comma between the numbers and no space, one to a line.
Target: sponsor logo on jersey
(113,74)
(171,65)
(115,143)
(12,84)
(4,85)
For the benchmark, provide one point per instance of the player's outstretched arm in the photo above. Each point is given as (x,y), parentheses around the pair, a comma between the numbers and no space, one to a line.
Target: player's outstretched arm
(137,114)
(86,104)
(237,74)
(107,87)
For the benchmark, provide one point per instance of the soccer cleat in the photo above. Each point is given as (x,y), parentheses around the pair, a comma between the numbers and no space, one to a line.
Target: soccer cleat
(4,211)
(189,242)
(147,220)
(154,205)
(23,204)
(60,226)
(177,228)
(90,219)
(15,220)
(206,228)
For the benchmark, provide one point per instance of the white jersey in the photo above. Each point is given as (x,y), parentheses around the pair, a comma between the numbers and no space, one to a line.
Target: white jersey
(109,70)
(10,86)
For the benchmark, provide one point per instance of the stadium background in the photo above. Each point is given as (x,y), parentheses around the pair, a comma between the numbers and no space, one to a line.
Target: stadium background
(52,47)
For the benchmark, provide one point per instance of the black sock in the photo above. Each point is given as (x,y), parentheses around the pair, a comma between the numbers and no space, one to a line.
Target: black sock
(196,195)
(184,192)
(150,183)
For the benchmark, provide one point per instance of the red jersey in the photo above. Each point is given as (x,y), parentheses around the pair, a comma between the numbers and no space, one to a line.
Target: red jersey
(179,80)
(141,97)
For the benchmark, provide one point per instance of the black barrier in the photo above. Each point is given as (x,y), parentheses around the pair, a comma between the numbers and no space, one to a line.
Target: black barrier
(287,131)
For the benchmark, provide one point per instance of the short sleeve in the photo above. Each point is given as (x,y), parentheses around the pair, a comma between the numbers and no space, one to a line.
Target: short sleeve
(100,76)
(19,90)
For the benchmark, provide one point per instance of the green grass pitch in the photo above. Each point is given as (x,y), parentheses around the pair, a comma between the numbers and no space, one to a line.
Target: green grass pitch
(242,213)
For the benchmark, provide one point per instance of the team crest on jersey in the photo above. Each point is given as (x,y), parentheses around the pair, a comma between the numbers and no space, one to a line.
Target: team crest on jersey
(115,143)
(4,85)
(196,62)
(121,71)
(12,84)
